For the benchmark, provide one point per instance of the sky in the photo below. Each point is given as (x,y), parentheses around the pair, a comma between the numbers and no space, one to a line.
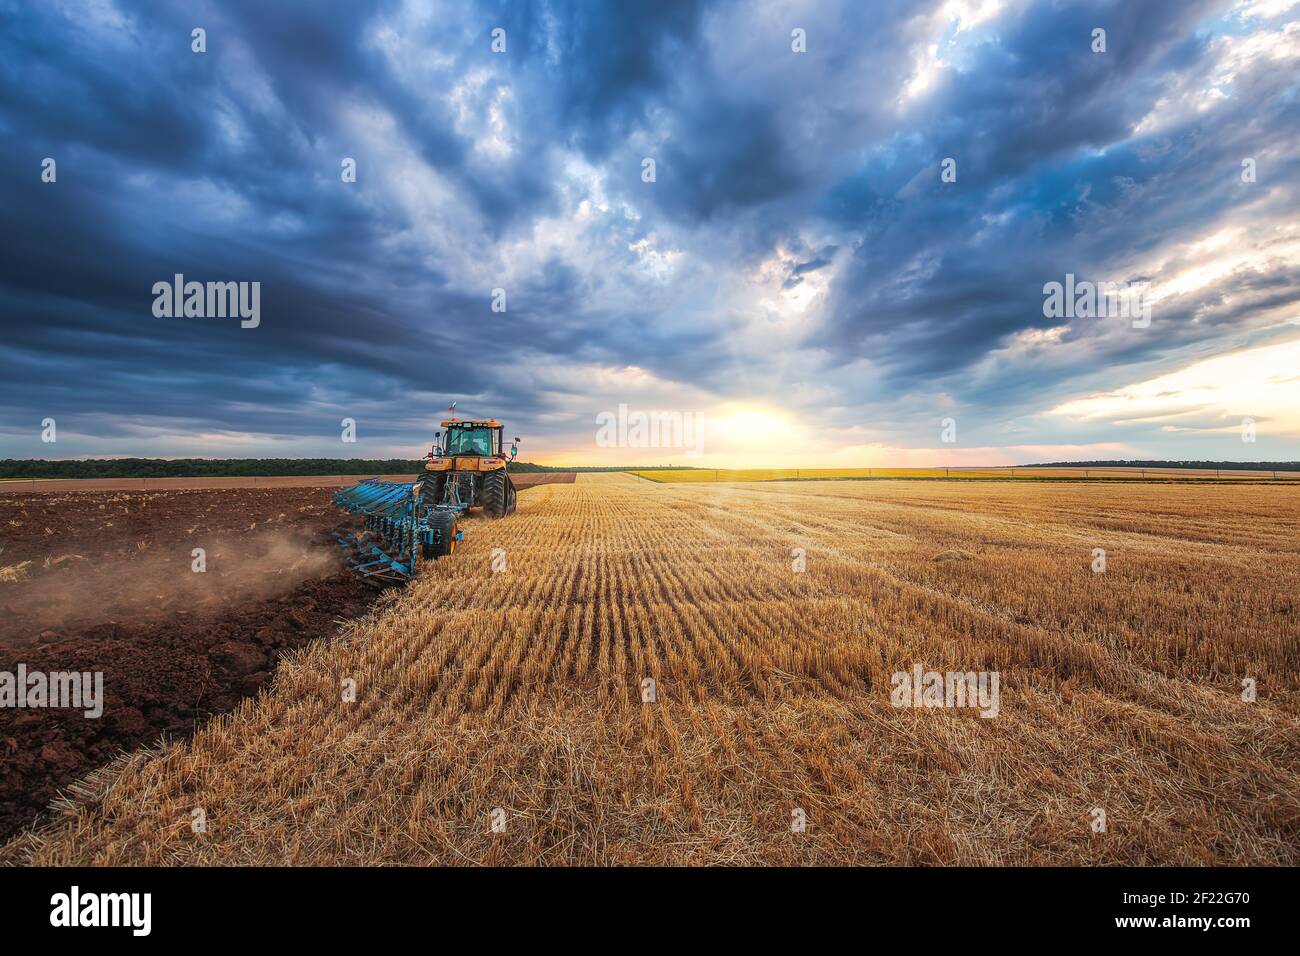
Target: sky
(791,233)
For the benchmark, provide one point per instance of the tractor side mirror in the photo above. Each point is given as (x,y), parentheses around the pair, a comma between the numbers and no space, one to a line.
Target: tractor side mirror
(514,449)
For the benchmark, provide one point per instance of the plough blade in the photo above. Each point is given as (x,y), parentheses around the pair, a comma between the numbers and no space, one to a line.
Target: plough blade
(401,527)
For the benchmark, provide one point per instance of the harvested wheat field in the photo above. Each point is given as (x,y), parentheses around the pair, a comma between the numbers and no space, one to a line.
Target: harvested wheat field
(515,698)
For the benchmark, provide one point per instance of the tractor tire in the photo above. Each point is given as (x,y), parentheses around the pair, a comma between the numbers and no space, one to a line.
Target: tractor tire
(434,487)
(444,522)
(498,494)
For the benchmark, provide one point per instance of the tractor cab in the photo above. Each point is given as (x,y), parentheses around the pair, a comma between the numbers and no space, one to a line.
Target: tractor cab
(473,439)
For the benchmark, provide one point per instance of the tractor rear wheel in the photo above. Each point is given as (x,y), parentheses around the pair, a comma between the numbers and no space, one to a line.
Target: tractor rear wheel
(498,494)
(443,523)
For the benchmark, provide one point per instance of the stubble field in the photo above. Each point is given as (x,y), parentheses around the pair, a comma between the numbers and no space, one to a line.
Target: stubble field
(499,714)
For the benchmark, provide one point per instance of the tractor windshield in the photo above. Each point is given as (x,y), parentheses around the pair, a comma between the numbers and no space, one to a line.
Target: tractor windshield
(469,441)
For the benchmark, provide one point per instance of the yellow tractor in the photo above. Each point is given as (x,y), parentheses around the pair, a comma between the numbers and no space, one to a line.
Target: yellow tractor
(468,467)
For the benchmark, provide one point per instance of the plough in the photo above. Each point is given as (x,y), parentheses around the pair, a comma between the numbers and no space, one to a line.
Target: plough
(402,525)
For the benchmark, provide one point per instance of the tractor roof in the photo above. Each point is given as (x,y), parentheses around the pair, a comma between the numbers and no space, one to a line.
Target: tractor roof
(485,423)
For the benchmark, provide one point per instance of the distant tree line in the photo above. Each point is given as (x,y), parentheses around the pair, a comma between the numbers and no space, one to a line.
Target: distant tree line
(233,467)
(203,467)
(1154,463)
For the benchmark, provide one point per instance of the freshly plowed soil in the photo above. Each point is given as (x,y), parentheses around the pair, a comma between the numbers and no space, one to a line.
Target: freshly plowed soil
(529,479)
(106,581)
(65,485)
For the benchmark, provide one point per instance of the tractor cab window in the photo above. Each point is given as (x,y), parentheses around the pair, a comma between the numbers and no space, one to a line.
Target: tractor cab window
(469,441)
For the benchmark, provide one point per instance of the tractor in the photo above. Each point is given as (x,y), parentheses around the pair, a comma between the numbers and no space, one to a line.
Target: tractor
(470,467)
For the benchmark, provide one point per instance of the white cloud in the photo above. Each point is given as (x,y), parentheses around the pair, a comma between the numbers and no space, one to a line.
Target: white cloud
(1212,394)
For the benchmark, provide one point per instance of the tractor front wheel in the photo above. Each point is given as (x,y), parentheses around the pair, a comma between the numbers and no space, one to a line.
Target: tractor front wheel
(498,494)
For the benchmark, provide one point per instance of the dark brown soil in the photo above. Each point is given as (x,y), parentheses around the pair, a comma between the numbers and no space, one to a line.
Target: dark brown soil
(528,479)
(23,486)
(110,587)
(105,581)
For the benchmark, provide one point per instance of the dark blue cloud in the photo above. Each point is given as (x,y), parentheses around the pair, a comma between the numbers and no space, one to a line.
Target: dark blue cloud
(797,232)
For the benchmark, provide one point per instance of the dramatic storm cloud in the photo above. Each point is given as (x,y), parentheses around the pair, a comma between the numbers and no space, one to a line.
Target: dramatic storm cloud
(842,239)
